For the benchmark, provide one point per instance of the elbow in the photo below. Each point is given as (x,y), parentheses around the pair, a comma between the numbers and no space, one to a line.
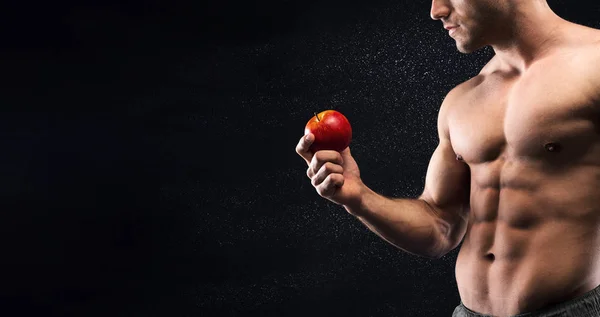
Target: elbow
(447,248)
(437,252)
(438,243)
(450,229)
(432,257)
(441,254)
(447,237)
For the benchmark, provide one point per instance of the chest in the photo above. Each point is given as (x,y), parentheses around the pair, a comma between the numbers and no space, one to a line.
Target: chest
(547,115)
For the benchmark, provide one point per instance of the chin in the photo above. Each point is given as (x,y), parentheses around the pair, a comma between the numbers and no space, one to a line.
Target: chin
(464,50)
(467,48)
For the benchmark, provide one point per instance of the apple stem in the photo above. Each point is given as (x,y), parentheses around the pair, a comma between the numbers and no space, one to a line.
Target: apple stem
(317,117)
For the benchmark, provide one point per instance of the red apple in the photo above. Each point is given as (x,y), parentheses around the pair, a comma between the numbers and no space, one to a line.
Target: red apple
(331,129)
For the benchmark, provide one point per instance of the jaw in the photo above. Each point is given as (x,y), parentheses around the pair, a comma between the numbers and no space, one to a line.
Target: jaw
(467,42)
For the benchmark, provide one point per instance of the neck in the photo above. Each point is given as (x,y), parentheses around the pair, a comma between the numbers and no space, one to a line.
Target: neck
(532,29)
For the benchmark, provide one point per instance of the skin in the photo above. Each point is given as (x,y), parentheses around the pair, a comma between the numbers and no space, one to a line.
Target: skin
(516,175)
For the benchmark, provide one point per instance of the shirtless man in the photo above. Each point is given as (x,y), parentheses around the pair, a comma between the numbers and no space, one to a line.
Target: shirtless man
(516,173)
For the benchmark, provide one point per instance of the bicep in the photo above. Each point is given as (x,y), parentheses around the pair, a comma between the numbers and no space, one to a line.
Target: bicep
(448,180)
(447,186)
(447,192)
(447,183)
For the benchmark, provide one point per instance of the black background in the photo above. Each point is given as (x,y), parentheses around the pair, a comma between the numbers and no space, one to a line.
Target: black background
(148,163)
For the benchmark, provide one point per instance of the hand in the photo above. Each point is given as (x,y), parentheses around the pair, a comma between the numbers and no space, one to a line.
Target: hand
(335,175)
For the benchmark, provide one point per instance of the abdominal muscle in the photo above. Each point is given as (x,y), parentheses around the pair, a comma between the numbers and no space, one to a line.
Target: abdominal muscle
(524,251)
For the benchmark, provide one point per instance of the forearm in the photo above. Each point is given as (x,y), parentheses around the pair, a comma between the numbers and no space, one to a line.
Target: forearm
(409,224)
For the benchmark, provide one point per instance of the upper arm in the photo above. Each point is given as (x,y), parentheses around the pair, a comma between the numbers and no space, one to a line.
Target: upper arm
(596,83)
(447,185)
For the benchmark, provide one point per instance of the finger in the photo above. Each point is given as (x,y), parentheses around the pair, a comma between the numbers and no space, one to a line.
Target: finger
(303,146)
(326,169)
(329,186)
(346,153)
(322,157)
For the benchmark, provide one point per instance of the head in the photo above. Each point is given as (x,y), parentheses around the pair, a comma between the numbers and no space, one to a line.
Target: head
(480,22)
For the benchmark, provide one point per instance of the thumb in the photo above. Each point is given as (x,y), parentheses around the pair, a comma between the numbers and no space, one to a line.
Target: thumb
(346,154)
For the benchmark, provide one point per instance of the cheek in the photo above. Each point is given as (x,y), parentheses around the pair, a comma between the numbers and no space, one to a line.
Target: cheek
(468,13)
(472,26)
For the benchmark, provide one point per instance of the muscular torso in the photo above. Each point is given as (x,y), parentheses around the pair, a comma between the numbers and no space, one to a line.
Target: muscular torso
(532,143)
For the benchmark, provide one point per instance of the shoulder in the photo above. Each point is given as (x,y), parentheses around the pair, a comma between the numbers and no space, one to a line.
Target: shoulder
(574,64)
(589,66)
(595,77)
(461,92)
(581,45)
(452,102)
(585,62)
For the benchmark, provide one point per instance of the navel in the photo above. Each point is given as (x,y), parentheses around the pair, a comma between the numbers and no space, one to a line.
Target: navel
(490,257)
(553,147)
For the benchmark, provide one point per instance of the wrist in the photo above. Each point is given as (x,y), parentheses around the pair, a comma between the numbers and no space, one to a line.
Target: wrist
(359,205)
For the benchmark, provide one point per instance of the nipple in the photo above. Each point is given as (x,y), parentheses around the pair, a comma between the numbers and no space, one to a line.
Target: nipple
(553,147)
